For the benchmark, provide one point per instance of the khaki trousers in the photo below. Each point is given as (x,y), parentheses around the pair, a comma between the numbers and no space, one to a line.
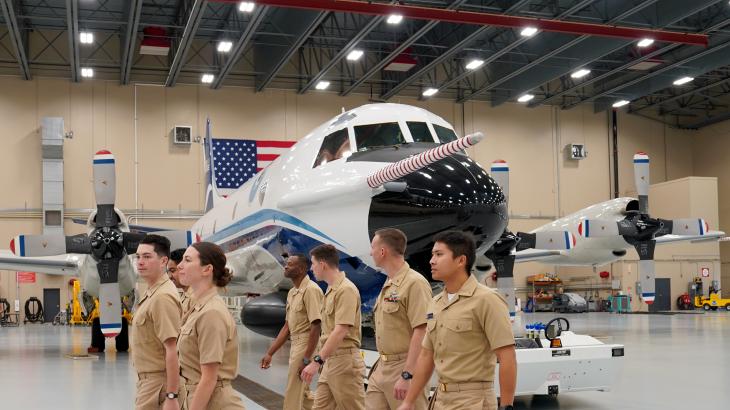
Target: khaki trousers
(340,385)
(150,390)
(473,396)
(386,371)
(297,395)
(222,398)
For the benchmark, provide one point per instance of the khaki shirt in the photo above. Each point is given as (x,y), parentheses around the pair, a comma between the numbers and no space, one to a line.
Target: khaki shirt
(185,299)
(400,307)
(156,319)
(342,307)
(463,333)
(303,306)
(208,335)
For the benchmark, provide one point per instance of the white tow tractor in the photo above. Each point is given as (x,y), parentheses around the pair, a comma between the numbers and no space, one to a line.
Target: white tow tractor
(581,363)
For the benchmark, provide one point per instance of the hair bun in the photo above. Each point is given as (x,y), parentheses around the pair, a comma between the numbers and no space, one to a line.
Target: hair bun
(224,278)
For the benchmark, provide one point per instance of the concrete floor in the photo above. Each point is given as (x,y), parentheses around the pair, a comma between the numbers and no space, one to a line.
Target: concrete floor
(672,362)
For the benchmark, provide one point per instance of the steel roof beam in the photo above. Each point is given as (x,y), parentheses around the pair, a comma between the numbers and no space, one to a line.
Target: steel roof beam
(191,27)
(72,27)
(270,60)
(16,37)
(253,23)
(130,37)
(680,96)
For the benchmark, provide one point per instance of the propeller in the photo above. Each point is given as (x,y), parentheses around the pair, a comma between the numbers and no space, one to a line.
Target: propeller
(640,230)
(106,243)
(504,250)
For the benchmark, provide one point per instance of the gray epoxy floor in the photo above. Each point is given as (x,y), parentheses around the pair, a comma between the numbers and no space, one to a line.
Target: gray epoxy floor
(672,362)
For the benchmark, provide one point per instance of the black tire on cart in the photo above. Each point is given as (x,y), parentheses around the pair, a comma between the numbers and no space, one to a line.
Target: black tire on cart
(706,307)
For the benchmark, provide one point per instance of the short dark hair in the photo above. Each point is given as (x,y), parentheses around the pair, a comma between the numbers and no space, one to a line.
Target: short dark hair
(177,255)
(159,242)
(459,243)
(394,239)
(302,260)
(326,253)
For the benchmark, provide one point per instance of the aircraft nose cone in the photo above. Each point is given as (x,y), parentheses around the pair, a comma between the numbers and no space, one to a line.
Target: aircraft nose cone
(455,193)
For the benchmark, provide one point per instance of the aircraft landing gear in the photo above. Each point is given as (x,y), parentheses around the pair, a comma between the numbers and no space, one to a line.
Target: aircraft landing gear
(98,340)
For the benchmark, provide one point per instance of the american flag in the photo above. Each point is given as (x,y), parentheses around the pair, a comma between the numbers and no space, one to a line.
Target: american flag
(238,160)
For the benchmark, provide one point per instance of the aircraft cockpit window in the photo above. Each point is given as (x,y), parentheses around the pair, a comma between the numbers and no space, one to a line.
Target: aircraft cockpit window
(445,135)
(378,135)
(420,132)
(334,146)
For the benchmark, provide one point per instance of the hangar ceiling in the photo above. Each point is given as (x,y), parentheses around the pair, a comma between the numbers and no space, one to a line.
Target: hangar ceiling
(304,48)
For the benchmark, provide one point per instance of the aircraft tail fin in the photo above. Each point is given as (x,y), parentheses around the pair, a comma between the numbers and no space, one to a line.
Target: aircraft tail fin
(212,197)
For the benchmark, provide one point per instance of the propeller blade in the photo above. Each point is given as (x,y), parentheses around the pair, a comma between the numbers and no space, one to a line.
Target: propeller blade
(548,240)
(505,281)
(49,245)
(500,175)
(110,304)
(105,189)
(685,226)
(645,249)
(178,239)
(131,241)
(641,179)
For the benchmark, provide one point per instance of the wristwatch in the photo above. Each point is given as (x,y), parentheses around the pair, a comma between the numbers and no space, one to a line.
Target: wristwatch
(306,361)
(318,359)
(406,375)
(171,395)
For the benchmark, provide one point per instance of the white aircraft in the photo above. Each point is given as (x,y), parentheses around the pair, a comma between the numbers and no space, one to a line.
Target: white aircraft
(606,231)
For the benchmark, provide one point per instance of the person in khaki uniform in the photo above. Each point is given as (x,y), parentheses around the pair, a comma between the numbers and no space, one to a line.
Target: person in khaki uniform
(208,342)
(468,328)
(342,367)
(155,328)
(400,323)
(184,291)
(302,326)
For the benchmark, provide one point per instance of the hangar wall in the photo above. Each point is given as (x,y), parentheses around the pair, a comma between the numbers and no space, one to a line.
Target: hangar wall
(153,174)
(711,149)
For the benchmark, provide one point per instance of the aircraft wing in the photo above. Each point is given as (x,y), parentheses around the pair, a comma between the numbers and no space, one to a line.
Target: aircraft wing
(55,265)
(530,255)
(709,236)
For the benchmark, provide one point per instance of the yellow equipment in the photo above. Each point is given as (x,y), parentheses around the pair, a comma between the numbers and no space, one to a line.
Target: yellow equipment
(713,302)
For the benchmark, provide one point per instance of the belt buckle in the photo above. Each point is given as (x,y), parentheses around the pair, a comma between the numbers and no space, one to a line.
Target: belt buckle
(443,387)
(385,357)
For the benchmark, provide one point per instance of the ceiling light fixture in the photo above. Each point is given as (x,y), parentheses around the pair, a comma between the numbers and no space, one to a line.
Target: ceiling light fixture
(87,72)
(355,55)
(474,64)
(246,6)
(581,73)
(207,78)
(322,85)
(526,98)
(620,103)
(528,31)
(394,19)
(684,80)
(224,46)
(86,37)
(430,91)
(645,42)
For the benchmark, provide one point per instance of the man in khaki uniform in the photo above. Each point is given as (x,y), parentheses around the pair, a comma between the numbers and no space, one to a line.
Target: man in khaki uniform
(343,369)
(155,328)
(184,291)
(303,317)
(468,328)
(400,323)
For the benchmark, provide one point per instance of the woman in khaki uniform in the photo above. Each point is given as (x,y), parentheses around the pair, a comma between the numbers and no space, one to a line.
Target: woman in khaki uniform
(208,342)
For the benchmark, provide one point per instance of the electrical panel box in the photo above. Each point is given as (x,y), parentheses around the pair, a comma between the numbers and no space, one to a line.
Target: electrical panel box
(578,151)
(182,134)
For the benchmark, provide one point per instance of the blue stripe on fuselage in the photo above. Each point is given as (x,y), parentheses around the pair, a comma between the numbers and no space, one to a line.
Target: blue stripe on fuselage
(263,216)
